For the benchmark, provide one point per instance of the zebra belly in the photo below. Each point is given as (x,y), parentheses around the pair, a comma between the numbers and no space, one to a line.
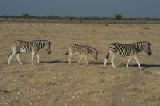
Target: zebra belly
(23,50)
(124,54)
(77,53)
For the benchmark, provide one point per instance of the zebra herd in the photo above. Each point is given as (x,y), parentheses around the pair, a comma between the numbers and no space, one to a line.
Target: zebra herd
(129,50)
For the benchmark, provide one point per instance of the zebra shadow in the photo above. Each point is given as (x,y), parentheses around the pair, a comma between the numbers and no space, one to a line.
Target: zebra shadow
(144,65)
(56,61)
(59,61)
(98,63)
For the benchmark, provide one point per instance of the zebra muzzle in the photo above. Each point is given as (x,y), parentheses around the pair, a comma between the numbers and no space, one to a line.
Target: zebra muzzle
(149,53)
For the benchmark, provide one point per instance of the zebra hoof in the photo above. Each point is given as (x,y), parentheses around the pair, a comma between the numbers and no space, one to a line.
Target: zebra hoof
(115,67)
(142,68)
(21,63)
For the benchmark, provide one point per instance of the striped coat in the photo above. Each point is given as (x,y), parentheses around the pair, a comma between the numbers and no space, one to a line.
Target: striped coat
(82,50)
(129,50)
(20,46)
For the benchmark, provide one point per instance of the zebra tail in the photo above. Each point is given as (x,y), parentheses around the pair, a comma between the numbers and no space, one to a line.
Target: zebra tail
(66,53)
(10,54)
(107,56)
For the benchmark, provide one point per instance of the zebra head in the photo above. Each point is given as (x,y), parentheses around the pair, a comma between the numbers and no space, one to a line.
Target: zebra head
(147,48)
(93,51)
(47,47)
(143,46)
(96,55)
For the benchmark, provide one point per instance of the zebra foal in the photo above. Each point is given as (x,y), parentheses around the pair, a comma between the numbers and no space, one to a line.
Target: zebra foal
(129,50)
(20,46)
(81,50)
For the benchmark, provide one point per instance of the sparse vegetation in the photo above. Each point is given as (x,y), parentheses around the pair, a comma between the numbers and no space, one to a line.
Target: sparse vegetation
(118,19)
(54,83)
(118,16)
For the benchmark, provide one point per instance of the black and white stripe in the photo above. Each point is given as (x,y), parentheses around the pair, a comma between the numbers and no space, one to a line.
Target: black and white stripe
(82,50)
(25,47)
(129,50)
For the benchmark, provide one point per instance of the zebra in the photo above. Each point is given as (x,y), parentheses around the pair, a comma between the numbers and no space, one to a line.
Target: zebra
(82,50)
(129,50)
(20,46)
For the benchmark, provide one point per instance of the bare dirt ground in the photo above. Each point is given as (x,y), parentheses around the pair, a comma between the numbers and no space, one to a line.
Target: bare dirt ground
(54,83)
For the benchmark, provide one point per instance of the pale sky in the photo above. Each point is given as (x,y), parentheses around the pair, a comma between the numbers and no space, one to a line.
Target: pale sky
(84,8)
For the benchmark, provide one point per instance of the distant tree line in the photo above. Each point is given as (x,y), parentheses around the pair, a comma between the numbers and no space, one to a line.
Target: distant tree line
(116,17)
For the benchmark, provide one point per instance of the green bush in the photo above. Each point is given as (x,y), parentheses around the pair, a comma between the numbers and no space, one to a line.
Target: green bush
(118,16)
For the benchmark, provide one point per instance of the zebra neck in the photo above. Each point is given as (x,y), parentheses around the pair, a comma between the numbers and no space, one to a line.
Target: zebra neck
(91,50)
(139,47)
(40,44)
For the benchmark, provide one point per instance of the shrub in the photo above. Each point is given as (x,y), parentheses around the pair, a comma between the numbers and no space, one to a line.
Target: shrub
(118,16)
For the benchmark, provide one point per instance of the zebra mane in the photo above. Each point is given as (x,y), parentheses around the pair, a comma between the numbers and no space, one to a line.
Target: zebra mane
(134,43)
(143,43)
(114,43)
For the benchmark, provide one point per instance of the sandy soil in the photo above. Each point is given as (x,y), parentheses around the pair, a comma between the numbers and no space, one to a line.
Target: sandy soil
(54,83)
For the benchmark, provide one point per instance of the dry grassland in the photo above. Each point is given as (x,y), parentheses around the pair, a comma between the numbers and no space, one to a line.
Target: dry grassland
(54,83)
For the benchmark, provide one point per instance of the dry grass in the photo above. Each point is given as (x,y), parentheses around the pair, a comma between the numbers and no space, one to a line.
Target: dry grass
(54,83)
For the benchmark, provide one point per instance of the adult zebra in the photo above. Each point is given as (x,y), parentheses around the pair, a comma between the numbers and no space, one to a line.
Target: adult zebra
(129,50)
(25,47)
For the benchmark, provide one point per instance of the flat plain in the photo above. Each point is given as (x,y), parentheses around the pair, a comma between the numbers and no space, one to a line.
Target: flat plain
(54,83)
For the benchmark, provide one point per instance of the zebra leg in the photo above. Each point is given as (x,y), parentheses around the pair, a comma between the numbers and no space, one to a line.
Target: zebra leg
(105,60)
(129,58)
(86,59)
(135,57)
(80,59)
(9,59)
(69,59)
(17,56)
(33,53)
(112,60)
(11,55)
(37,58)
(69,56)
